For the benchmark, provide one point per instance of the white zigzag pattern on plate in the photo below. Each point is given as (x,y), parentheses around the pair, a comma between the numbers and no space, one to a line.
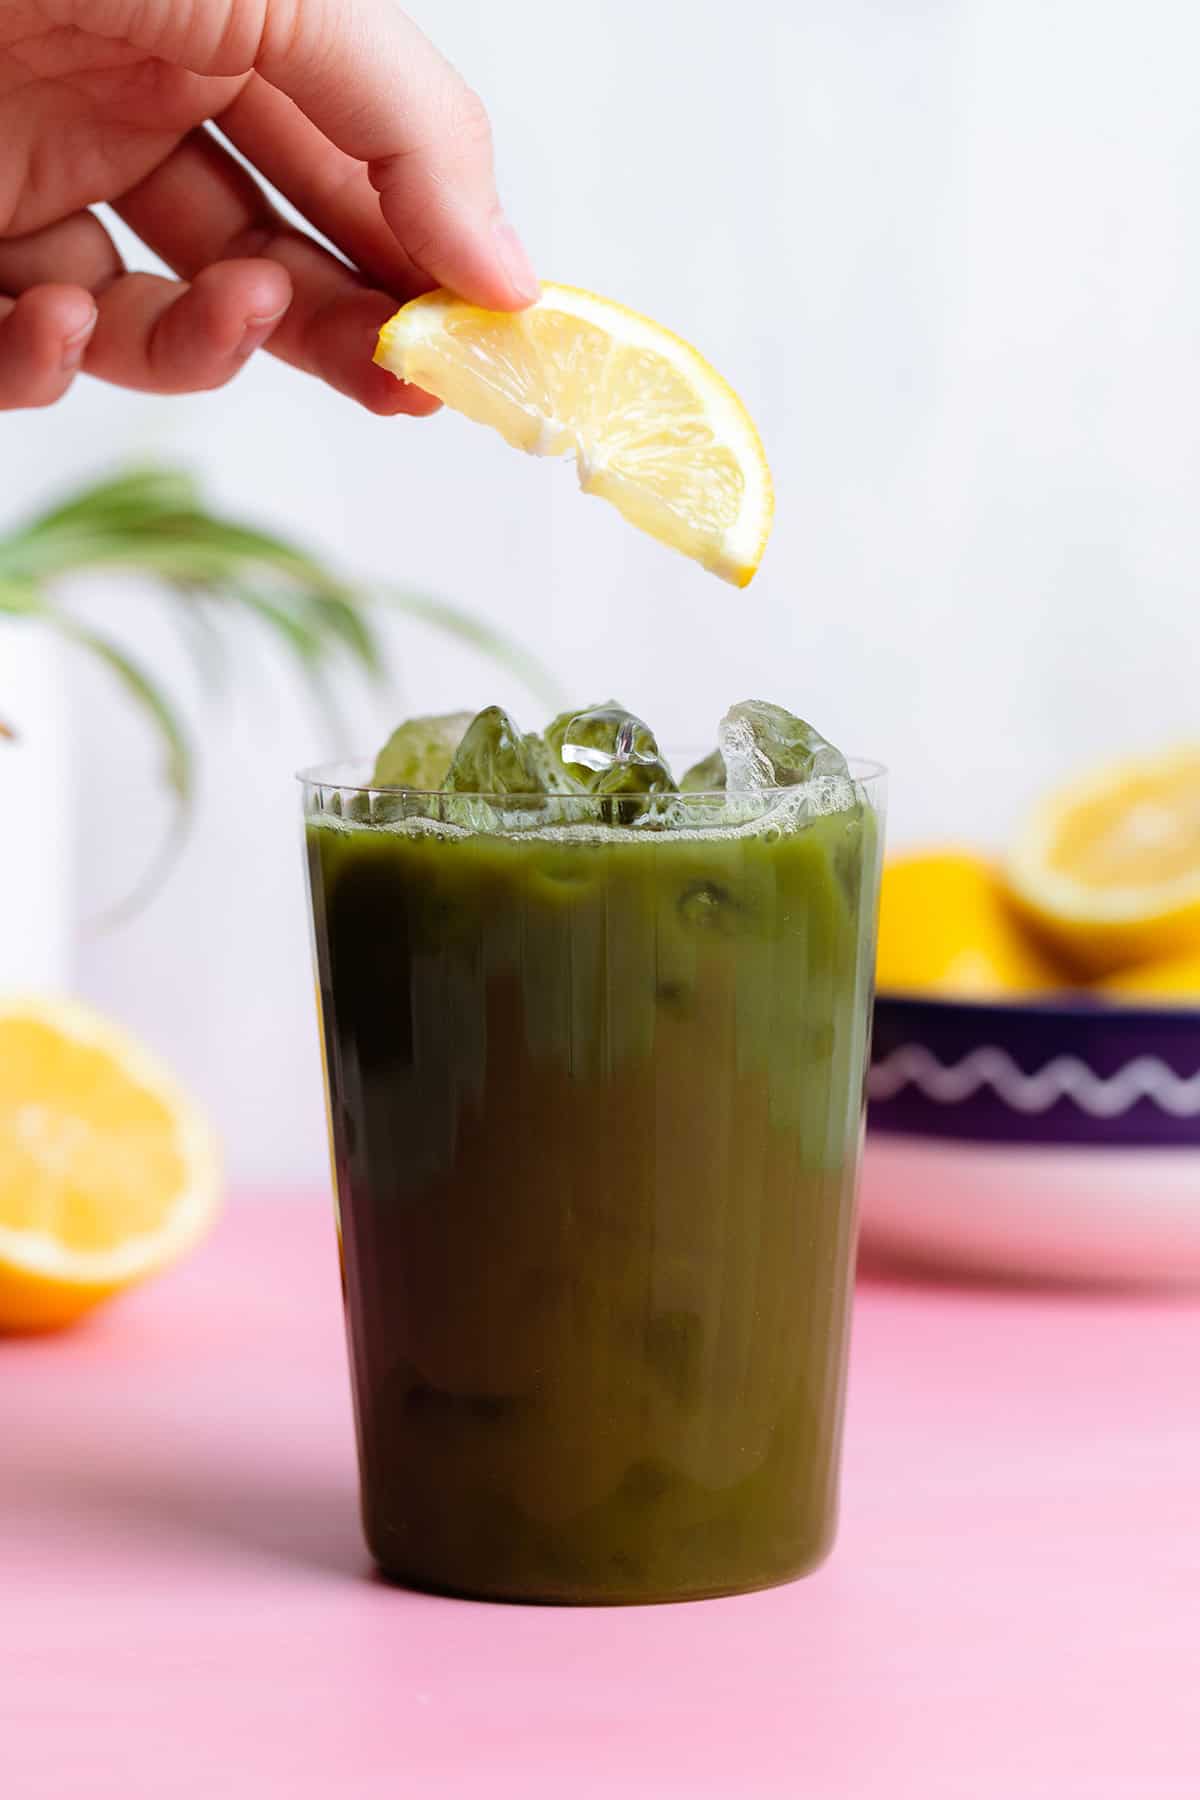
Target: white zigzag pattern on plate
(1104,1097)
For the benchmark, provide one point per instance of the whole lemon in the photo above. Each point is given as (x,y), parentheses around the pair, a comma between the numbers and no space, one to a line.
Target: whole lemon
(947,927)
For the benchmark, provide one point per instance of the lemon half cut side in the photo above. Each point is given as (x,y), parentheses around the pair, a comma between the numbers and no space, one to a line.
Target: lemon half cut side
(1108,867)
(108,1171)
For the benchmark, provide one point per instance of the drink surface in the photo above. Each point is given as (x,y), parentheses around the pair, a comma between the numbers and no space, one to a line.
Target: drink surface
(596,1107)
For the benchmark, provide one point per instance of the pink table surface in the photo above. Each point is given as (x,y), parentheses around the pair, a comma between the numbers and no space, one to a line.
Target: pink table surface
(186,1610)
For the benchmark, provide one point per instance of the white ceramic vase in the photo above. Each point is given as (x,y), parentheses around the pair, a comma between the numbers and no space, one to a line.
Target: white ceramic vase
(35,821)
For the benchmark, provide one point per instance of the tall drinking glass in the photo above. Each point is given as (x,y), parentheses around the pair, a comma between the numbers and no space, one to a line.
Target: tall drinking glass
(596,1097)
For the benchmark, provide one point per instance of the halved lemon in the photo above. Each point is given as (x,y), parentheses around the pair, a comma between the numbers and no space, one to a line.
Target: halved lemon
(653,428)
(107,1170)
(1109,867)
(946,927)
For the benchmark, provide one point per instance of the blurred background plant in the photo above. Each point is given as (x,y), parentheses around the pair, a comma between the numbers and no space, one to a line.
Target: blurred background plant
(152,523)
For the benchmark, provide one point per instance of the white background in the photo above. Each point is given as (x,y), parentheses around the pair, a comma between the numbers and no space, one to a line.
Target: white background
(949,250)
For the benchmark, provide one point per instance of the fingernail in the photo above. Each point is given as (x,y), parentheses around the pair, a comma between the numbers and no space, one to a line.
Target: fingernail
(257,331)
(74,346)
(517,265)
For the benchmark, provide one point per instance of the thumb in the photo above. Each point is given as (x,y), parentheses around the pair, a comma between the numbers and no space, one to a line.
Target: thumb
(438,195)
(377,87)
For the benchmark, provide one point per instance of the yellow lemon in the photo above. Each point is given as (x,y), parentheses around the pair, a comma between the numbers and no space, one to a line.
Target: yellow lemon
(1108,868)
(107,1171)
(946,927)
(1175,982)
(652,427)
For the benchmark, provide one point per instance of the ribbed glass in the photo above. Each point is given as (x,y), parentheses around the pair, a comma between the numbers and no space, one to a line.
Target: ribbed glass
(595,1097)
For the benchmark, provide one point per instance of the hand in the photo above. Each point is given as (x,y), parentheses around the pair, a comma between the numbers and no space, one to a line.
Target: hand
(342,104)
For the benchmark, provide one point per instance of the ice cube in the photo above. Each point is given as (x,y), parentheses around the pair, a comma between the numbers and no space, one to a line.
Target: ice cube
(419,753)
(705,777)
(494,758)
(542,757)
(557,728)
(766,747)
(611,751)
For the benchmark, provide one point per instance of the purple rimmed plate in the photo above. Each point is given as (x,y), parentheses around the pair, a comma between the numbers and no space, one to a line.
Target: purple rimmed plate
(1053,1140)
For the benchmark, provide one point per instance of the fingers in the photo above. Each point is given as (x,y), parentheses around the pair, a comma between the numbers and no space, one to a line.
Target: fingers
(43,336)
(437,191)
(150,333)
(174,338)
(374,85)
(330,188)
(77,249)
(428,150)
(200,207)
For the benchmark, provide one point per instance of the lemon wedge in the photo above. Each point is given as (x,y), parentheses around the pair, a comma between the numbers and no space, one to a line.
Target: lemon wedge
(107,1170)
(1108,867)
(652,427)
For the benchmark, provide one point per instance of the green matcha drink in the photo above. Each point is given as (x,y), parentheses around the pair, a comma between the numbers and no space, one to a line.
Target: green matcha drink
(595,1052)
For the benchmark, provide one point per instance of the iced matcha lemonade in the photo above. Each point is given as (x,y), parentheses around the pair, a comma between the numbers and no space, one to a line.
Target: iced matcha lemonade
(595,1031)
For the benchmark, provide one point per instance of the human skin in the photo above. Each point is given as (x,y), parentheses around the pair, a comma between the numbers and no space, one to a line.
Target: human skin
(344,106)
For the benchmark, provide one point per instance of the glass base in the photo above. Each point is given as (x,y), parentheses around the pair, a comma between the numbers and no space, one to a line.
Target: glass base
(586,1596)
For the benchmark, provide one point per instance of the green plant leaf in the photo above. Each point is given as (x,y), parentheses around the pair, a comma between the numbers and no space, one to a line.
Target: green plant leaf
(506,651)
(151,522)
(199,634)
(292,627)
(348,625)
(177,754)
(177,758)
(132,498)
(306,642)
(245,546)
(155,519)
(195,558)
(20,598)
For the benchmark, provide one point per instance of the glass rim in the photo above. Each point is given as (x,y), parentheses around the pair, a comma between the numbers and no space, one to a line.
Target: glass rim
(865,772)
